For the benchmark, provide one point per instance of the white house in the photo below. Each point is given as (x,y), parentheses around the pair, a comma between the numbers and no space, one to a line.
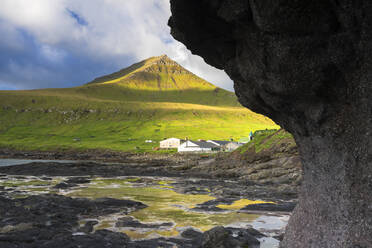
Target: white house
(171,143)
(226,145)
(197,146)
(220,143)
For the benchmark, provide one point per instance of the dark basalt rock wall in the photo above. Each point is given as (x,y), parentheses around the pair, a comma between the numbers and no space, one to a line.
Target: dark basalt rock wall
(308,66)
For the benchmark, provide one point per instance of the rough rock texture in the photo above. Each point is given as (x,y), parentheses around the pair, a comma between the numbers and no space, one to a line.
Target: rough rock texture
(220,237)
(53,221)
(271,158)
(308,66)
(45,221)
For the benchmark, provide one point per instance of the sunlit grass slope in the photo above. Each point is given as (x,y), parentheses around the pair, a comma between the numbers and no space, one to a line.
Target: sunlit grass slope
(150,100)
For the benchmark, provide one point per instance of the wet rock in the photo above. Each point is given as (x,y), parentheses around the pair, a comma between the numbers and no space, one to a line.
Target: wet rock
(244,231)
(18,227)
(280,207)
(216,187)
(46,178)
(192,190)
(89,226)
(20,177)
(64,185)
(110,204)
(220,237)
(131,222)
(191,234)
(161,242)
(78,180)
(208,208)
(52,221)
(101,238)
(211,206)
(72,182)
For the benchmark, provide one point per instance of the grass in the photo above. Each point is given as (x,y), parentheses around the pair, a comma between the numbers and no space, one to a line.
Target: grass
(146,101)
(266,139)
(73,123)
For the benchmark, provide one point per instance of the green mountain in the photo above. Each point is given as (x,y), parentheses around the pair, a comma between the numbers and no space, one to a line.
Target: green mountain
(158,79)
(150,100)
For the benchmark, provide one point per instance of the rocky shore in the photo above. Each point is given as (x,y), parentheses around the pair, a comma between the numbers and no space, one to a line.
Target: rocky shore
(54,220)
(277,167)
(239,187)
(95,155)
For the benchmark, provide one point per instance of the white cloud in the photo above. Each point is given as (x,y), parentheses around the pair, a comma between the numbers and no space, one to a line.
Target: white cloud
(197,65)
(53,54)
(47,20)
(115,30)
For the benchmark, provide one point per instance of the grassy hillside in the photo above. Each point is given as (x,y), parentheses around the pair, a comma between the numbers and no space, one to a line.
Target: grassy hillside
(273,143)
(271,158)
(153,99)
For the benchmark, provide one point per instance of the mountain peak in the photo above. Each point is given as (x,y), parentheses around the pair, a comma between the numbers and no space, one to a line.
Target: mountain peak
(156,73)
(163,57)
(152,64)
(162,60)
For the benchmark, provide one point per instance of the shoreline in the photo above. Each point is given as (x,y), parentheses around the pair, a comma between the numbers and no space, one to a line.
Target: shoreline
(272,176)
(81,214)
(99,155)
(193,173)
(222,186)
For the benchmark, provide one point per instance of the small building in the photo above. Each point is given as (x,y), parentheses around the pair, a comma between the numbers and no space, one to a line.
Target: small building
(171,143)
(220,143)
(231,146)
(226,145)
(197,146)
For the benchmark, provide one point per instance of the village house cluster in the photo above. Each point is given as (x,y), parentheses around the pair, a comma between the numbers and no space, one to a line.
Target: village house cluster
(185,145)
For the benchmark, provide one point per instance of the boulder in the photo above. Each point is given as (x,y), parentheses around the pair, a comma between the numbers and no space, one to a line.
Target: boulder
(191,234)
(308,66)
(129,221)
(220,237)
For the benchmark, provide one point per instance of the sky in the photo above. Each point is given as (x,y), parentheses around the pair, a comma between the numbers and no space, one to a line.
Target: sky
(66,43)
